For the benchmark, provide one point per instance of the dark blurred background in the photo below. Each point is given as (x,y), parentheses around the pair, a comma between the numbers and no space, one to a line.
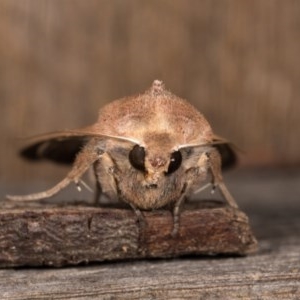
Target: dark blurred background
(237,61)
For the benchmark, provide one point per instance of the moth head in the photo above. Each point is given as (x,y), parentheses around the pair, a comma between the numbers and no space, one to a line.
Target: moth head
(150,162)
(155,158)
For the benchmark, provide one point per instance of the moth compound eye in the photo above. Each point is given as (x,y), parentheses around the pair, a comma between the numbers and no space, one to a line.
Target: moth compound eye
(137,157)
(175,162)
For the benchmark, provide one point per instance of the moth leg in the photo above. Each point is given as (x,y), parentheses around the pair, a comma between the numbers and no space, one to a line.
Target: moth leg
(141,228)
(214,160)
(104,170)
(83,161)
(140,217)
(98,189)
(98,192)
(106,174)
(176,213)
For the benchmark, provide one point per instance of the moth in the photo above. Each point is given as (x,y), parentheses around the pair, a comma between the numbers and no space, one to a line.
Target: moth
(152,150)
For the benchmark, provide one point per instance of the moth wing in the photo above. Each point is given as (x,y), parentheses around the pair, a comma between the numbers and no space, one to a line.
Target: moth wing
(62,146)
(61,150)
(226,149)
(228,155)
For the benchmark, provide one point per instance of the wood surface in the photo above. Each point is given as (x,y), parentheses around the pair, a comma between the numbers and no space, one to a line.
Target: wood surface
(270,197)
(61,236)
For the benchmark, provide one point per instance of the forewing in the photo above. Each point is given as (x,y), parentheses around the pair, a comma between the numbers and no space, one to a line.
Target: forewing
(63,150)
(224,147)
(227,151)
(63,146)
(228,155)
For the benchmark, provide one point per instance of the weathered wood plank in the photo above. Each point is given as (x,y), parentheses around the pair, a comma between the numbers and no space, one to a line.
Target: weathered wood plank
(271,199)
(59,236)
(267,275)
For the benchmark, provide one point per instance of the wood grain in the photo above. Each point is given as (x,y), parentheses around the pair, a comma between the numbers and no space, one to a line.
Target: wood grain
(254,277)
(59,236)
(271,200)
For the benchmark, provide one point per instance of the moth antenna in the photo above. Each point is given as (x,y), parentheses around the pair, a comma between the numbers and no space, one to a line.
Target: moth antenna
(83,161)
(85,185)
(78,187)
(213,190)
(42,195)
(203,188)
(227,195)
(215,167)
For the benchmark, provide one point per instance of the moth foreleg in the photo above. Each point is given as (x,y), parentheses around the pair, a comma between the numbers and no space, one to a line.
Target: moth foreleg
(176,213)
(83,161)
(140,217)
(104,169)
(98,192)
(214,163)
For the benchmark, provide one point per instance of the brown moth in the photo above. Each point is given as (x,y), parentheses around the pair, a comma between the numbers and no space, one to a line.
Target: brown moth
(150,151)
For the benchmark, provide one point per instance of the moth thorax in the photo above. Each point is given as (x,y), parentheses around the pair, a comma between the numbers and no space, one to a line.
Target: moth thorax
(157,88)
